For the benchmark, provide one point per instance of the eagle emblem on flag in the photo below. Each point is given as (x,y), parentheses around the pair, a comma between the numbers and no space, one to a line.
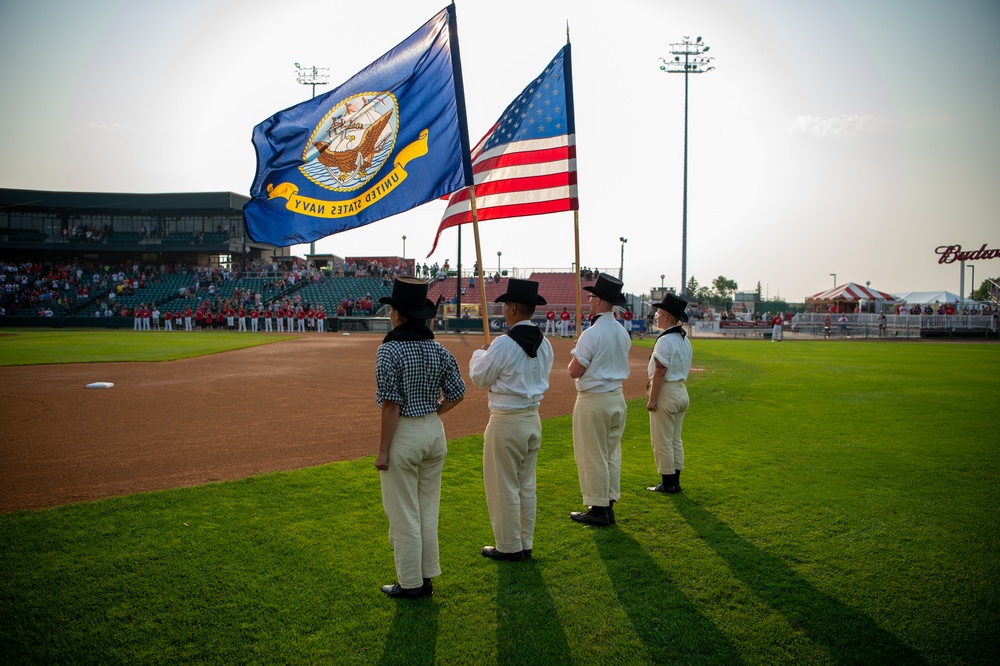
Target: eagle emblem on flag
(352,142)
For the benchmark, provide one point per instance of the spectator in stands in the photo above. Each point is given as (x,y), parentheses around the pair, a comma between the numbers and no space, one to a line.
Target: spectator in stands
(417,380)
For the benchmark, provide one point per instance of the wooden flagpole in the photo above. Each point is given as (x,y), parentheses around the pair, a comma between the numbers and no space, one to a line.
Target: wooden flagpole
(479,267)
(579,281)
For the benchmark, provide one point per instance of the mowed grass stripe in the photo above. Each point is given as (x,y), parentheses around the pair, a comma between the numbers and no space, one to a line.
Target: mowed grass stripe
(19,347)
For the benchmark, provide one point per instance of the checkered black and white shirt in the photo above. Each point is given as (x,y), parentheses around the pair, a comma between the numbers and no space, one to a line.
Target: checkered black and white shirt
(414,374)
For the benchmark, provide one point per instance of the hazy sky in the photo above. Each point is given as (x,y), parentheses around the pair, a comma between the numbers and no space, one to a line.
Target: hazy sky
(835,136)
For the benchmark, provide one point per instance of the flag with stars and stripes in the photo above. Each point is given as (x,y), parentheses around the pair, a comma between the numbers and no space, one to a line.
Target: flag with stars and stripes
(526,163)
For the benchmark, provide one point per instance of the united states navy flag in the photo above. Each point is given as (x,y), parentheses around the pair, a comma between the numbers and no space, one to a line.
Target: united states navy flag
(392,137)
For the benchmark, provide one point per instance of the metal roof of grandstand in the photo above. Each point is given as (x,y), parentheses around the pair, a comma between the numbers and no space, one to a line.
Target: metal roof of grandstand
(44,199)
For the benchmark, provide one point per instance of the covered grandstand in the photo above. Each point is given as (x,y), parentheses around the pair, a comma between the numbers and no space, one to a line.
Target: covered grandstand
(63,255)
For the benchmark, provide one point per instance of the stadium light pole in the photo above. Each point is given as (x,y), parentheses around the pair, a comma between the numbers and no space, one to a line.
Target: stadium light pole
(661,281)
(312,76)
(694,62)
(621,268)
(498,261)
(404,247)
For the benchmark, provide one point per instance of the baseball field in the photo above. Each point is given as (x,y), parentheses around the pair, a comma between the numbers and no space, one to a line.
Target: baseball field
(219,505)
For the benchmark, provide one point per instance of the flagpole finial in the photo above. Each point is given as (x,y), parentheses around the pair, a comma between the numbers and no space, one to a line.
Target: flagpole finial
(567,31)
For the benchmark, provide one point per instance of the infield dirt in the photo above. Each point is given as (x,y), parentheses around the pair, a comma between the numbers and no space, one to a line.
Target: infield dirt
(282,406)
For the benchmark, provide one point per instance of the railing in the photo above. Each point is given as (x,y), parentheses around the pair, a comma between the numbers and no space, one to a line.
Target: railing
(867,325)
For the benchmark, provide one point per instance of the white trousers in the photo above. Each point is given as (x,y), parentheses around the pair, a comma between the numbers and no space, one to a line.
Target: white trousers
(598,424)
(665,427)
(510,452)
(411,497)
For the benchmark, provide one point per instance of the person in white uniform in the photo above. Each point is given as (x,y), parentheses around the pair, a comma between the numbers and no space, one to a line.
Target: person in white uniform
(599,366)
(515,368)
(667,397)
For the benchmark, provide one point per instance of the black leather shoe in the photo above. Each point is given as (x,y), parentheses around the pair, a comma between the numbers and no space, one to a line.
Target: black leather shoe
(494,554)
(595,515)
(660,488)
(527,553)
(428,587)
(397,592)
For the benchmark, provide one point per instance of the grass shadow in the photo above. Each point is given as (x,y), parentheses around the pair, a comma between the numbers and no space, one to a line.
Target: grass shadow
(850,636)
(668,624)
(528,628)
(412,638)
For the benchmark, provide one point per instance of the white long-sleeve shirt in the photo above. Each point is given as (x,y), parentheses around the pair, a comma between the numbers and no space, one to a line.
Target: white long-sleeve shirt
(515,380)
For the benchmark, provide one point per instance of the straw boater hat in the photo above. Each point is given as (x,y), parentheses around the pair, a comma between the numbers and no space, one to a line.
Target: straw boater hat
(409,296)
(521,291)
(608,289)
(673,305)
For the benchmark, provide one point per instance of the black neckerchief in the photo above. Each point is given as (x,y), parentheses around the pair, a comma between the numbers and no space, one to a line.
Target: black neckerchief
(409,331)
(673,329)
(528,338)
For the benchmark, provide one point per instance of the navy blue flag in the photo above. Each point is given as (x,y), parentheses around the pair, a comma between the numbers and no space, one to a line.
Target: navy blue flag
(391,138)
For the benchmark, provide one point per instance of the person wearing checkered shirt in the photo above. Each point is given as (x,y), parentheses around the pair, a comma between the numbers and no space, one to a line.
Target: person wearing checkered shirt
(416,381)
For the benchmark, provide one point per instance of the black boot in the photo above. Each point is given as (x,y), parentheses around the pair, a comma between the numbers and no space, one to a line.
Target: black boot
(675,483)
(666,481)
(595,515)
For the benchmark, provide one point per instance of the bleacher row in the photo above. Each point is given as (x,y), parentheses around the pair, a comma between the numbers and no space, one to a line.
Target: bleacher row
(559,289)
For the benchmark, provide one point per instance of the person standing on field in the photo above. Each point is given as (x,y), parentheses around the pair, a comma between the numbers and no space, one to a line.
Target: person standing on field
(599,366)
(667,397)
(416,380)
(515,368)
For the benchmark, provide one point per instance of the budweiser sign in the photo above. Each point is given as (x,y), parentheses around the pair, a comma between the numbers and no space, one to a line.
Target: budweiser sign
(952,253)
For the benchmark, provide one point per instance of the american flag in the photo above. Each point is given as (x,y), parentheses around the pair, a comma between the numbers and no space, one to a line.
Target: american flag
(526,163)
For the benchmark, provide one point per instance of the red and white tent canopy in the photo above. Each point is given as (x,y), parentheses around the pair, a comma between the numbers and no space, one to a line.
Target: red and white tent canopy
(851,292)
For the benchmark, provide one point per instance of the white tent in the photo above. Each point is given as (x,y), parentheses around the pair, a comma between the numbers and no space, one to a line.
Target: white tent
(927,297)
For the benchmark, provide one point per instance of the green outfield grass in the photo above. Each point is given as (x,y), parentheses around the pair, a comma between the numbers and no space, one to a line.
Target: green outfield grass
(840,505)
(31,347)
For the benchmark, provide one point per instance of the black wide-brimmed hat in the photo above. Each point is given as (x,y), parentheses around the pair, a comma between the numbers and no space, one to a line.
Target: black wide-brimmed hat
(674,305)
(409,296)
(608,289)
(521,291)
